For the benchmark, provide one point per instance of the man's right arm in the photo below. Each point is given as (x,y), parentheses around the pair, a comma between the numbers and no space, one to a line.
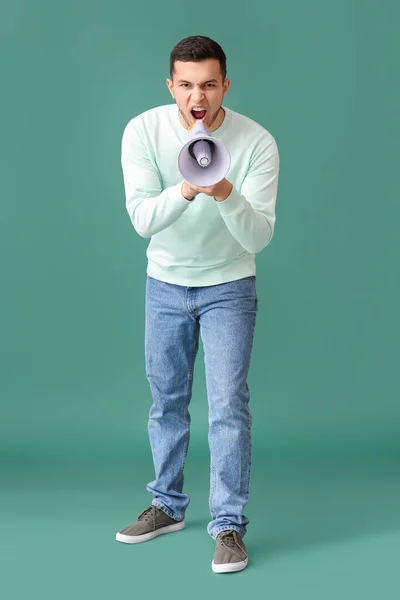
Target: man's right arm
(150,209)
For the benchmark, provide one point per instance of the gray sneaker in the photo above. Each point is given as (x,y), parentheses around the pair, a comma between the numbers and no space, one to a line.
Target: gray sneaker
(150,523)
(231,553)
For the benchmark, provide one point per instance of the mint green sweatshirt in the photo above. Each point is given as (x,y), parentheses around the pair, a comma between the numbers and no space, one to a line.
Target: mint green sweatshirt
(202,242)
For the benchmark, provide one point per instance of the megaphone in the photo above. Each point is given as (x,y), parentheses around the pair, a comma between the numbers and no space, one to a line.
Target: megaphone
(203,160)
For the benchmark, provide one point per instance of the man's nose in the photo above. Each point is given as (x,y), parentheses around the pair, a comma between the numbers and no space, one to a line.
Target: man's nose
(197,94)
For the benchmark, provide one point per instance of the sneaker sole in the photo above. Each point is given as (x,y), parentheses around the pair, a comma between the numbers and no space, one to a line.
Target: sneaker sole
(144,537)
(229,567)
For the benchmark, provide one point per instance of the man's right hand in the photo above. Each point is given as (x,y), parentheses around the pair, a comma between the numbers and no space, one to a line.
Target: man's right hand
(188,191)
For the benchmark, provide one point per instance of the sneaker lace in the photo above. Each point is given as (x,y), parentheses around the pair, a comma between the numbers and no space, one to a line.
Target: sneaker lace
(149,514)
(228,538)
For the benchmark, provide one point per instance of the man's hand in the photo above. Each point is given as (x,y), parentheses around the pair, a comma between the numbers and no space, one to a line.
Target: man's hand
(220,191)
(188,191)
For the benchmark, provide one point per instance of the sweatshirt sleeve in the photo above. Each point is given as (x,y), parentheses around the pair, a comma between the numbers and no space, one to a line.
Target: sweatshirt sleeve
(250,214)
(150,209)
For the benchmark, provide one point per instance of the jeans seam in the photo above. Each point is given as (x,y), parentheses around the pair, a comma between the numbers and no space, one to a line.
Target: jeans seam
(250,452)
(190,378)
(212,485)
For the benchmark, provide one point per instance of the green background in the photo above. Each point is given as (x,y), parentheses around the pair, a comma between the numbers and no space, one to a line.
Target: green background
(322,77)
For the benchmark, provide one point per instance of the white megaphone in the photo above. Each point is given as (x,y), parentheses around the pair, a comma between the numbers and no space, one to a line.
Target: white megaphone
(203,160)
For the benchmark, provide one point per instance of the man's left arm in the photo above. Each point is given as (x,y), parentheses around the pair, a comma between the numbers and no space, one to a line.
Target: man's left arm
(250,214)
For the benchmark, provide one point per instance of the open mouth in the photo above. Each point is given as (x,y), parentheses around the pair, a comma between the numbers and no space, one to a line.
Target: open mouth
(199,114)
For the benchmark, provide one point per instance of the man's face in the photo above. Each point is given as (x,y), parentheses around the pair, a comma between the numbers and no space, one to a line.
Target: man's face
(199,84)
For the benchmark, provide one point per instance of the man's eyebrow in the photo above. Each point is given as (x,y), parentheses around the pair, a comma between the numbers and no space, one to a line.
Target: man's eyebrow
(185,81)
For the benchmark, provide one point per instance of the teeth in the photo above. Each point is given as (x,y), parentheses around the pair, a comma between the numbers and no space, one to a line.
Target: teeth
(198,109)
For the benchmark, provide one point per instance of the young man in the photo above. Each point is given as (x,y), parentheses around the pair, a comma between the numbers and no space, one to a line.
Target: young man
(201,279)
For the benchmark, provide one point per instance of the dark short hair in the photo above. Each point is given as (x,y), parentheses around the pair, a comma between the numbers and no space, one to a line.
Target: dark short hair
(195,49)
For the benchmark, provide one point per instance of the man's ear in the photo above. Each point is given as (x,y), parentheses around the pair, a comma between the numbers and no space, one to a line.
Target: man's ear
(169,83)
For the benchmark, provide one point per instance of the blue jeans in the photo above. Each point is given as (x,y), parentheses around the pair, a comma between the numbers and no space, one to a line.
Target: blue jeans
(225,316)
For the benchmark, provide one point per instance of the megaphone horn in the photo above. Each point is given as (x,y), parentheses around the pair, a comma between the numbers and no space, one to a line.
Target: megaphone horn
(203,160)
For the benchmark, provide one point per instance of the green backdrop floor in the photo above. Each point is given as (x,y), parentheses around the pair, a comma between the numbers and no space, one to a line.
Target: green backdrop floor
(321,527)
